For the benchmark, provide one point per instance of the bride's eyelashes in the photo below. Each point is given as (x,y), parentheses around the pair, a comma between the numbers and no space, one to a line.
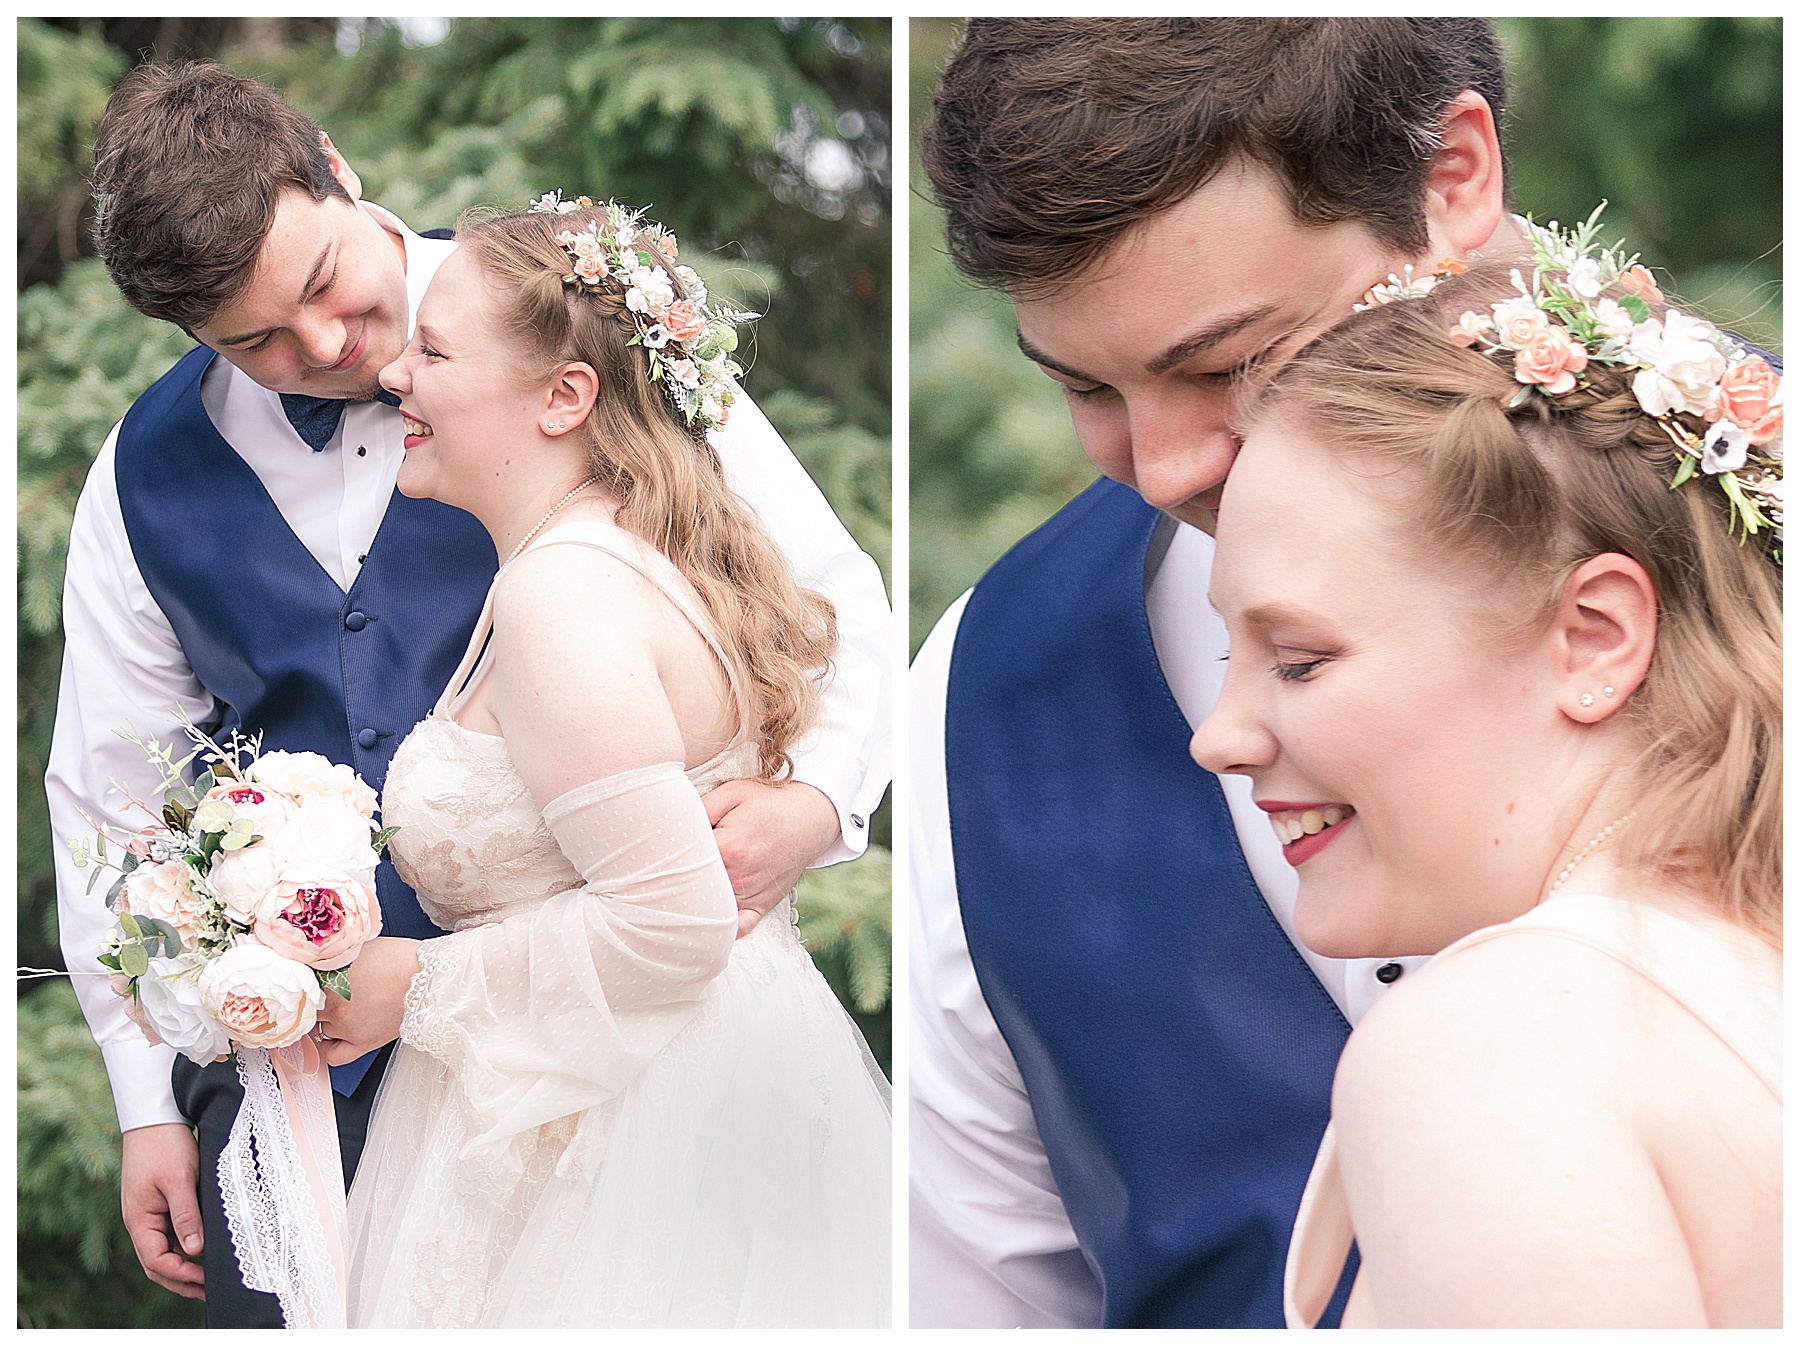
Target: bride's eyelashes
(1299,669)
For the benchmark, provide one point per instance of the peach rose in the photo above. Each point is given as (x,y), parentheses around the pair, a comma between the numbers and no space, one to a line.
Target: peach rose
(1640,282)
(684,320)
(1750,398)
(319,917)
(259,997)
(1551,360)
(1519,321)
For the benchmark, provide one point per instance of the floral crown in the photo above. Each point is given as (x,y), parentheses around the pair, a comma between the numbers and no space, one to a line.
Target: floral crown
(1718,403)
(689,341)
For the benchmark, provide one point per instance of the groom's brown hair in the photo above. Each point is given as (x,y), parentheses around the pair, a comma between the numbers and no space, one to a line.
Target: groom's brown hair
(1053,137)
(190,162)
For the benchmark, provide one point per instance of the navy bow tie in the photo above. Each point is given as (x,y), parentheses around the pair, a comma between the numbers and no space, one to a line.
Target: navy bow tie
(315,419)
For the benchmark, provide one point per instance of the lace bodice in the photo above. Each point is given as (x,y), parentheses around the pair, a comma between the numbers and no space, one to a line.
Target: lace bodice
(472,841)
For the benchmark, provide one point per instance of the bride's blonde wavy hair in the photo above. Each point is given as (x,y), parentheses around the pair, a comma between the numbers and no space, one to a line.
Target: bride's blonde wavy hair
(668,479)
(1521,496)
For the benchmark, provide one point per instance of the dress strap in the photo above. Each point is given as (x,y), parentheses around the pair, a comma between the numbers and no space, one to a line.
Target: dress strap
(1716,971)
(660,571)
(463,680)
(1321,1241)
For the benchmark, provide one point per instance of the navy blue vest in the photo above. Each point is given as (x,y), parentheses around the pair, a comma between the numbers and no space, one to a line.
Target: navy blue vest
(1177,1049)
(268,632)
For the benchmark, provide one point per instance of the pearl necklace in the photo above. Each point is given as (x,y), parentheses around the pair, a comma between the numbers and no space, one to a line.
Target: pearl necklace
(1586,851)
(550,513)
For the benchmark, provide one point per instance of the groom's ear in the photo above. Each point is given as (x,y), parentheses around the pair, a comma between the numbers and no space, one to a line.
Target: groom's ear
(341,170)
(1602,636)
(1465,185)
(568,398)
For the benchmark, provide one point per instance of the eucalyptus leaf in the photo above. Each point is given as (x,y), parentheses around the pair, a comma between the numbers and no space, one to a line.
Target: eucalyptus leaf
(129,863)
(133,961)
(129,924)
(182,795)
(112,893)
(205,781)
(335,981)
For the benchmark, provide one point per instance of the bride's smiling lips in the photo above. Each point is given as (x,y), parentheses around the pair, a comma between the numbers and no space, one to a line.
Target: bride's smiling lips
(1305,829)
(417,431)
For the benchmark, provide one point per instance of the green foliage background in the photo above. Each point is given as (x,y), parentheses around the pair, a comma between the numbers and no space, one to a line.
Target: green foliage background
(762,142)
(1675,122)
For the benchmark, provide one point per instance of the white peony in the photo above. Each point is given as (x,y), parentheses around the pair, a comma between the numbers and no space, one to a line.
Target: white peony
(261,998)
(170,1009)
(1685,364)
(326,832)
(240,879)
(302,775)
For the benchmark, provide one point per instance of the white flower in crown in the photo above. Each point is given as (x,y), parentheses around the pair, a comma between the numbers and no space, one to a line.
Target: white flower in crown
(685,372)
(1681,364)
(691,282)
(1726,448)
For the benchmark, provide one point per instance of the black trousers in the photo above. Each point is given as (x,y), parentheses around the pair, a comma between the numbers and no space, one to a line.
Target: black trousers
(208,1096)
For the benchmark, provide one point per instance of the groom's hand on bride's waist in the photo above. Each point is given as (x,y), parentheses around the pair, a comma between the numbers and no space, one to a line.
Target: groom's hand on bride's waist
(159,1180)
(768,835)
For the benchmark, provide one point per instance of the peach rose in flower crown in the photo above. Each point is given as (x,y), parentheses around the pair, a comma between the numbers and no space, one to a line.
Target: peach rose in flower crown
(684,320)
(1519,321)
(260,998)
(1551,360)
(319,917)
(1750,398)
(1640,282)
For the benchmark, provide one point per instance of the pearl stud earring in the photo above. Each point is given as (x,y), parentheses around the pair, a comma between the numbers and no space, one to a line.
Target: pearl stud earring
(1607,692)
(1586,699)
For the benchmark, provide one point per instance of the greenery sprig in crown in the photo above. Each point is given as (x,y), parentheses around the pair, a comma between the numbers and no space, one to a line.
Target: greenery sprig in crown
(1719,403)
(689,341)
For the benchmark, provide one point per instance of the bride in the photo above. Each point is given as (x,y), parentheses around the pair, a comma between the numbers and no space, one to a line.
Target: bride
(604,1110)
(1510,699)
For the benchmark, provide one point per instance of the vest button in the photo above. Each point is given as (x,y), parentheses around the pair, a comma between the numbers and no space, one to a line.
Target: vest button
(366,738)
(1387,974)
(355,621)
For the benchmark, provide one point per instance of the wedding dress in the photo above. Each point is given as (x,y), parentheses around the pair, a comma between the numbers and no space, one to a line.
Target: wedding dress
(577,1127)
(1720,974)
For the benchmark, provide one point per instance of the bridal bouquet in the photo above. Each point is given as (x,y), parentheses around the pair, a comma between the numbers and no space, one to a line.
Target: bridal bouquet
(238,909)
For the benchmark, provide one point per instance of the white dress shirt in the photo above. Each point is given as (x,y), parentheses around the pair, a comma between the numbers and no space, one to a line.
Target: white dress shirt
(991,1244)
(123,667)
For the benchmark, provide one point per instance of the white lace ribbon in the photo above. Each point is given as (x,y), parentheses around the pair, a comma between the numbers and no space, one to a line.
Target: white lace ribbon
(282,1184)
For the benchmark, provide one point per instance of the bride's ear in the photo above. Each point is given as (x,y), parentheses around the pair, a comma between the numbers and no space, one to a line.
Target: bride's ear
(1465,184)
(568,398)
(1602,636)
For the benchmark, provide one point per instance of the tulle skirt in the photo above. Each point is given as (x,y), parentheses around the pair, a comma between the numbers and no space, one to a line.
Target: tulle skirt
(740,1180)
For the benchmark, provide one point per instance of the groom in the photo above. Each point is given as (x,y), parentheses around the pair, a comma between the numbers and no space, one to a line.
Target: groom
(1121,1059)
(239,554)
